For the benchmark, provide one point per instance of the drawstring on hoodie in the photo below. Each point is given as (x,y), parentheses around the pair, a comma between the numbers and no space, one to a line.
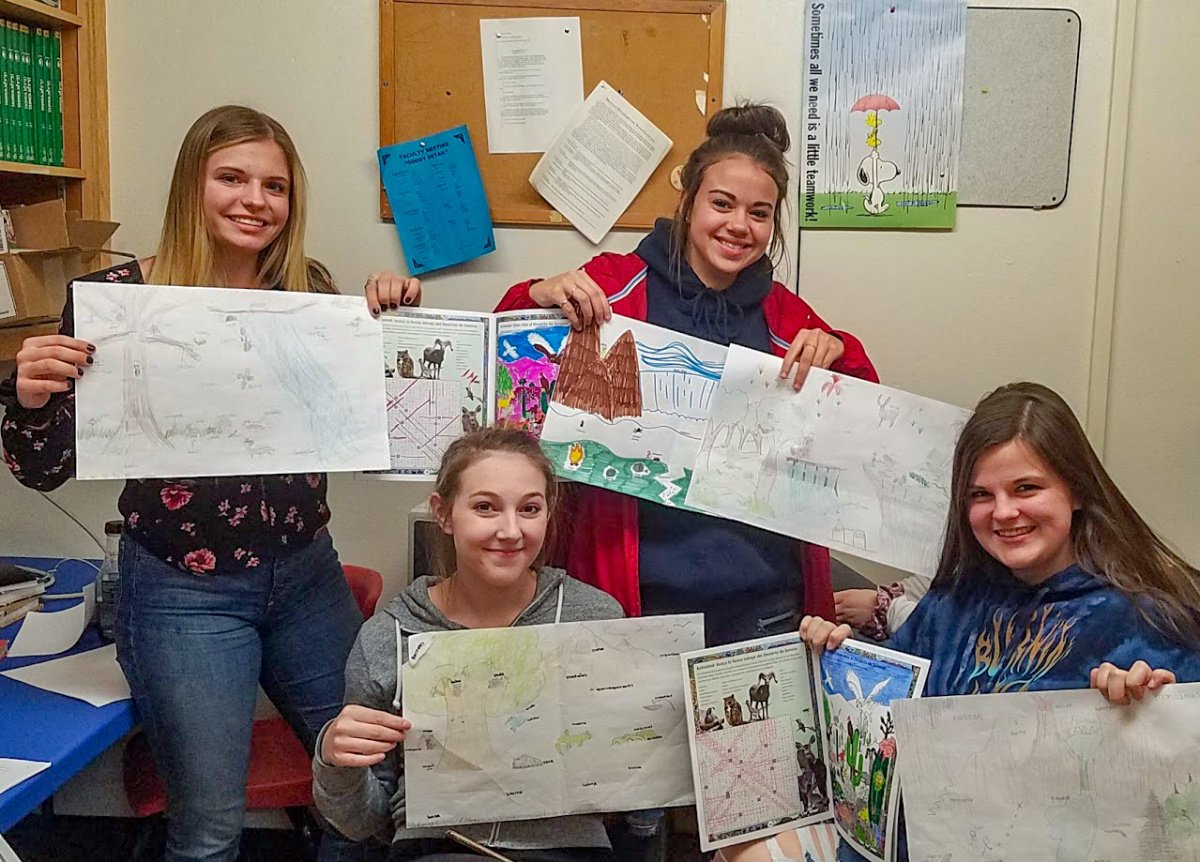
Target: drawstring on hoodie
(399,664)
(710,312)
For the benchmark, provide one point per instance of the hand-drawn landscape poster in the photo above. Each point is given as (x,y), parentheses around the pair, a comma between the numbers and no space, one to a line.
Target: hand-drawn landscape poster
(756,740)
(629,409)
(882,112)
(541,721)
(844,463)
(1060,775)
(860,682)
(205,381)
(450,372)
(782,739)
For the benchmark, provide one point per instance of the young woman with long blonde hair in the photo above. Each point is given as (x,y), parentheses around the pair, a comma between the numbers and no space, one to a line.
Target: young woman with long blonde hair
(225,582)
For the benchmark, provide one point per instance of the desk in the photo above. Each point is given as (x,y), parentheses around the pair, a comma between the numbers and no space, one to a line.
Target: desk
(39,725)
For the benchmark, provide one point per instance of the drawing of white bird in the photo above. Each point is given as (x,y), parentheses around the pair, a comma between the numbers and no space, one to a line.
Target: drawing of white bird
(510,352)
(856,687)
(861,702)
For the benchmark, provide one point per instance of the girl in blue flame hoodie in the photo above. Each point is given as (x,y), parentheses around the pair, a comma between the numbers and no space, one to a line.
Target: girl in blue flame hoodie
(1048,579)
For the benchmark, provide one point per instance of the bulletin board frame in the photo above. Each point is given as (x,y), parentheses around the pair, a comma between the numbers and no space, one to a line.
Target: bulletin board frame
(665,56)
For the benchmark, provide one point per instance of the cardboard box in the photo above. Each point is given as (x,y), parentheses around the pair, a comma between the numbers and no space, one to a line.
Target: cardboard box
(50,249)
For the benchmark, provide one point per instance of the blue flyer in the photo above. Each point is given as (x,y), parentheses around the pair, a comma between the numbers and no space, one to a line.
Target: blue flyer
(437,198)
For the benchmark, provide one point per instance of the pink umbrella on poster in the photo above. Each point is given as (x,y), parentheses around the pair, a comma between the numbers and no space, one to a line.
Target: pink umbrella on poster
(873,171)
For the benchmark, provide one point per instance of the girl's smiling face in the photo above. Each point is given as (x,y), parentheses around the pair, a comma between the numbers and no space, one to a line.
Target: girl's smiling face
(731,220)
(246,196)
(497,519)
(1020,512)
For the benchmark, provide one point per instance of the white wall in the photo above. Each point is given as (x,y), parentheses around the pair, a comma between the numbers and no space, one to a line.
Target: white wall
(1008,294)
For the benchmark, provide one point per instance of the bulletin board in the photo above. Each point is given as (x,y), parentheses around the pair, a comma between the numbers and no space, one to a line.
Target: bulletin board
(664,56)
(1018,106)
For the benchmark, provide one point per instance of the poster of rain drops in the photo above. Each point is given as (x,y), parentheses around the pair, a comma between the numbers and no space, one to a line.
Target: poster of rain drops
(881,113)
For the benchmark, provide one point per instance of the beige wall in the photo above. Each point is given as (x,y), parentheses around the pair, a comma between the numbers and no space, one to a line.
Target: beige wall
(1153,440)
(1009,294)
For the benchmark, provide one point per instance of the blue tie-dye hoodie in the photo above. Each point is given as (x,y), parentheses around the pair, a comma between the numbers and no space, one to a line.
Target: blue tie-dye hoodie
(993,633)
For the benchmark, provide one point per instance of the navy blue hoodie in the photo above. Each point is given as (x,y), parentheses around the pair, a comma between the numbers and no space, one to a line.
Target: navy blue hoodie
(745,581)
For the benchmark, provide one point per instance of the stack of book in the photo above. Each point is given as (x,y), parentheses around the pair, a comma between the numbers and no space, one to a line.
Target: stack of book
(20,592)
(31,128)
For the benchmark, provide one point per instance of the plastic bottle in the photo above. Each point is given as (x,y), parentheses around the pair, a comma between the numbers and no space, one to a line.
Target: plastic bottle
(108,580)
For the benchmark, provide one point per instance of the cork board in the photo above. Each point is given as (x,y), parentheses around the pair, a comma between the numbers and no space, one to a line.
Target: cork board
(664,56)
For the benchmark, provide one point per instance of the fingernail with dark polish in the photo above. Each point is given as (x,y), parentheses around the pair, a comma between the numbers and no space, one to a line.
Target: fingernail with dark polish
(91,348)
(90,360)
(408,300)
(374,312)
(394,306)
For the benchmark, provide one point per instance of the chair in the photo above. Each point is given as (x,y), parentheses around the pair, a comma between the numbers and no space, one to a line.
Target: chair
(280,774)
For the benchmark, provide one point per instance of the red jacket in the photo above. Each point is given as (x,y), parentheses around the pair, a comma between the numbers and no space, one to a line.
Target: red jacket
(603,540)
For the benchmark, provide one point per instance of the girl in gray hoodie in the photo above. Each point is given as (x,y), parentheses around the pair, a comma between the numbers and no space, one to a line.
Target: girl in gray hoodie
(493,500)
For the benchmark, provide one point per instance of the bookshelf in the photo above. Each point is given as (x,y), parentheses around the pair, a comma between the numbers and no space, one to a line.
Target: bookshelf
(33,12)
(82,181)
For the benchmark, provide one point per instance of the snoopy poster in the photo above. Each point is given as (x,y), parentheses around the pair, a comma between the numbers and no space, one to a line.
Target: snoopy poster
(882,113)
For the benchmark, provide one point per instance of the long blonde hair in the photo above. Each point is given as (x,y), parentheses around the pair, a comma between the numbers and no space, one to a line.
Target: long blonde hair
(1110,539)
(185,251)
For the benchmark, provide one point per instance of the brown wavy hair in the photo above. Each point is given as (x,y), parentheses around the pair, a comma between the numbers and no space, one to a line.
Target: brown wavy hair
(756,131)
(1110,539)
(185,251)
(464,452)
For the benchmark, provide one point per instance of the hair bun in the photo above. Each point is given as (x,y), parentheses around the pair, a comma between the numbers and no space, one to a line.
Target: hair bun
(751,119)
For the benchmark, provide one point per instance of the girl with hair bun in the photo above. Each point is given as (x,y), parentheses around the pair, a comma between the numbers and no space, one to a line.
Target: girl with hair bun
(706,271)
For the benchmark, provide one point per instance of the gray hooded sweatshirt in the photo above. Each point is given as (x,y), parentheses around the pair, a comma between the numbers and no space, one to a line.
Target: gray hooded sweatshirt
(367,802)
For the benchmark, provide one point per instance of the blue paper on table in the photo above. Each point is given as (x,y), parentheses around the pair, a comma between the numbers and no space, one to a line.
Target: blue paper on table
(437,198)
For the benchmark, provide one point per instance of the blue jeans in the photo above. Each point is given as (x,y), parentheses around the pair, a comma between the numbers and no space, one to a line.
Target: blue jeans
(194,649)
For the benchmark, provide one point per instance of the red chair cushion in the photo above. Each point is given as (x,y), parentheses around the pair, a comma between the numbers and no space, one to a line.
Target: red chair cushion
(280,771)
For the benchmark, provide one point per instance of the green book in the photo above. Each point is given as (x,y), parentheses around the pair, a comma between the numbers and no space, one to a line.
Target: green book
(7,138)
(25,44)
(15,116)
(11,136)
(47,156)
(39,97)
(14,68)
(56,115)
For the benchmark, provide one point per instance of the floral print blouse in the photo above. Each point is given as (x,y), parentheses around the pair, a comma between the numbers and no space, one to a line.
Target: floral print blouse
(202,526)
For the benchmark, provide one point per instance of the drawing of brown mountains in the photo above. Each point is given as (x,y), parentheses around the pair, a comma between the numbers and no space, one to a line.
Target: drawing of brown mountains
(610,387)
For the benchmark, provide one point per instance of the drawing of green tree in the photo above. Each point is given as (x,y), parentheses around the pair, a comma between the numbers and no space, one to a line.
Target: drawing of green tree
(1182,810)
(504,381)
(500,673)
